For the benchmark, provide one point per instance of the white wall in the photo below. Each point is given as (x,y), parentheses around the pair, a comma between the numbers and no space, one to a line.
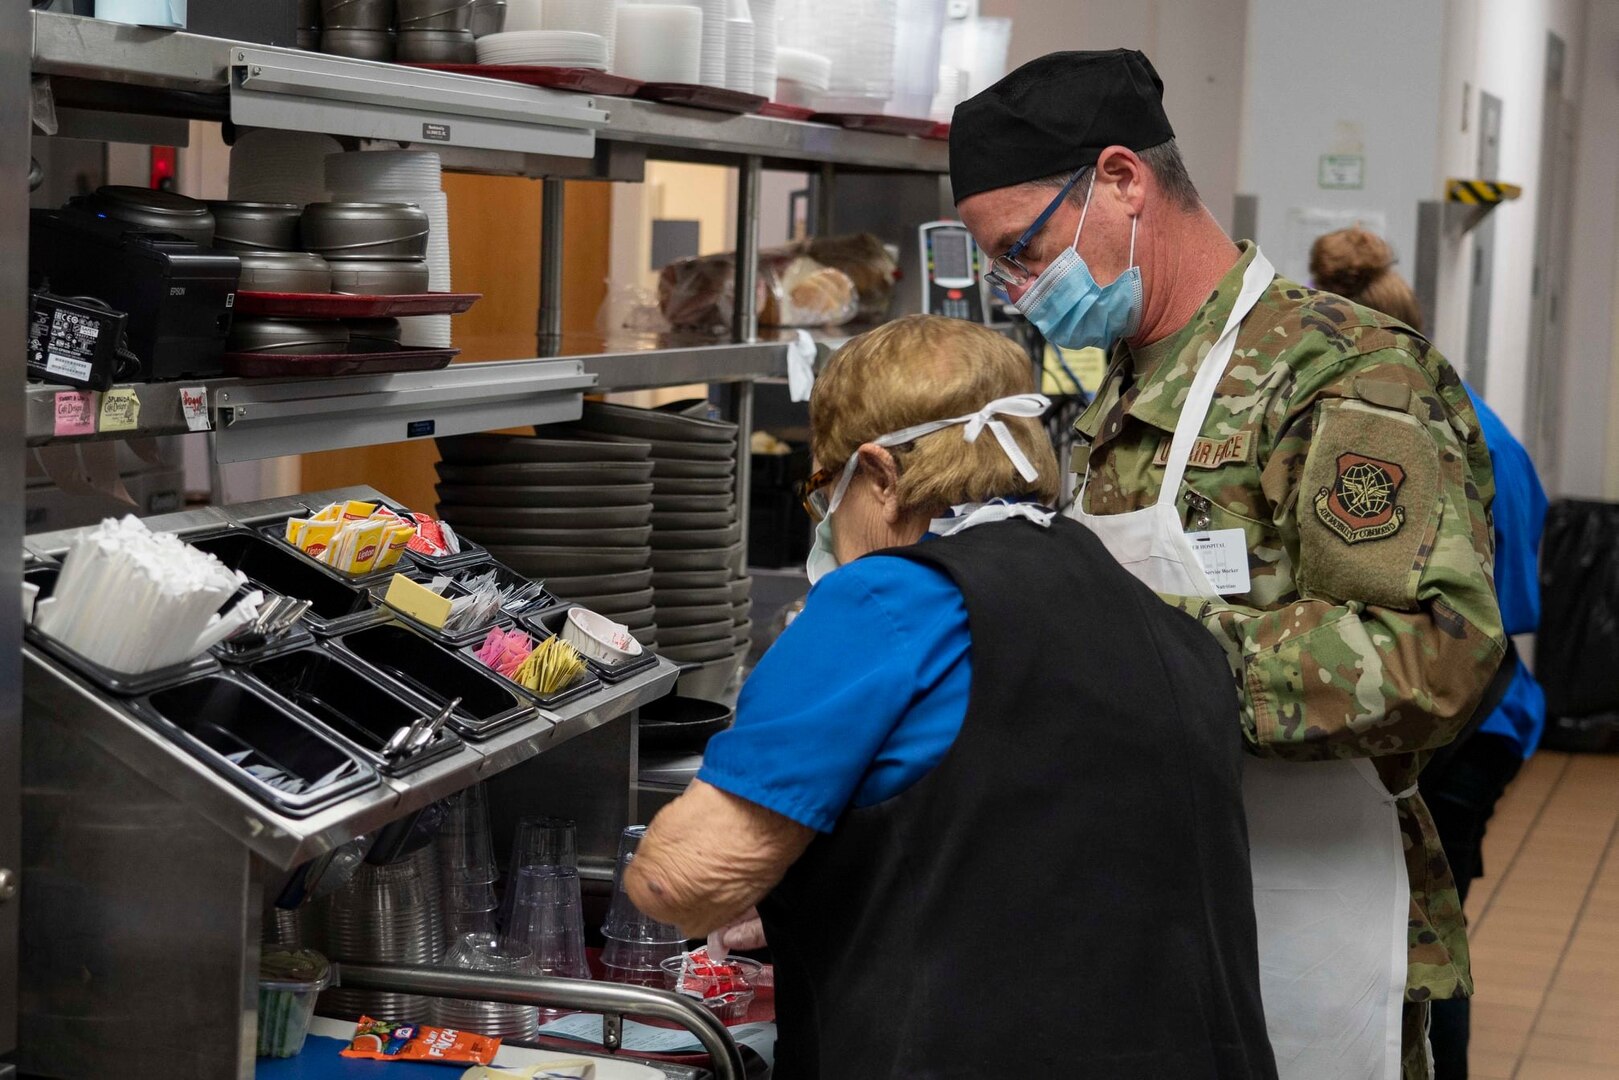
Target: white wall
(1499,47)
(1197,47)
(1325,77)
(1589,462)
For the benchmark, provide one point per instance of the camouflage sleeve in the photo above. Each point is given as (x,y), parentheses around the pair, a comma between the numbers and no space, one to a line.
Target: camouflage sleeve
(1395,633)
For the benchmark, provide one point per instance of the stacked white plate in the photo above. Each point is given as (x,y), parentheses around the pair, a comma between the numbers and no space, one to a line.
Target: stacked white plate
(599,17)
(545,48)
(764,47)
(801,76)
(413,176)
(279,166)
(715,13)
(659,43)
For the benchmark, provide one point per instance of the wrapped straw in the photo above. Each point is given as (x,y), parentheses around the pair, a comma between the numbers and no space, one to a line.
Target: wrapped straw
(134,601)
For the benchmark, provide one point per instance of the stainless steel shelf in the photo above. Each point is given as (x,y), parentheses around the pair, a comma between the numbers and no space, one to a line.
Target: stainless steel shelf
(99,51)
(282,841)
(260,418)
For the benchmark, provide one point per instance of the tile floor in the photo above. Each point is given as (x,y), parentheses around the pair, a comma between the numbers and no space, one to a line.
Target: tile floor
(1545,925)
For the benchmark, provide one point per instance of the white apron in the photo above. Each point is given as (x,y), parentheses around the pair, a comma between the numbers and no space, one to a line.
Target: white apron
(1330,889)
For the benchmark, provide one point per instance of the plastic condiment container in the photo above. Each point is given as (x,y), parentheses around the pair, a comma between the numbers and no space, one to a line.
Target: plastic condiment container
(289,982)
(599,637)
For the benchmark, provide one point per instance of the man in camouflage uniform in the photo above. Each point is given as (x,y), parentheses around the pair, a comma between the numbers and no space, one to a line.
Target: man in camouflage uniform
(1339,442)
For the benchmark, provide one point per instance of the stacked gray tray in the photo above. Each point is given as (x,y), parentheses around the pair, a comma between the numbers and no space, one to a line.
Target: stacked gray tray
(573,512)
(699,582)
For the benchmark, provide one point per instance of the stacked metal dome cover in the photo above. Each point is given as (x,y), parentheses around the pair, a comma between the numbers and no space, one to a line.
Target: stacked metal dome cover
(572,512)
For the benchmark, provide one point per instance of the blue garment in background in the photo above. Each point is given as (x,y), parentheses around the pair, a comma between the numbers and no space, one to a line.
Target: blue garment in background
(859,699)
(1520,517)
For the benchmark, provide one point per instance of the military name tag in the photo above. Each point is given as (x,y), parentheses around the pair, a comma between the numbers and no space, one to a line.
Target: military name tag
(1211,453)
(1223,554)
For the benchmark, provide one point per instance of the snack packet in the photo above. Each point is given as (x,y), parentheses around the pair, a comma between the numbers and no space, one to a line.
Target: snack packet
(380,1040)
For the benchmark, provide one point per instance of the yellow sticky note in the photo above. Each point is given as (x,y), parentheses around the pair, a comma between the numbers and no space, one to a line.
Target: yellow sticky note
(120,409)
(418,601)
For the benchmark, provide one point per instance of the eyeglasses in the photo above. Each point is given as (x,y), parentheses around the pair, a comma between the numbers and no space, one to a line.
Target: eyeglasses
(812,492)
(1005,271)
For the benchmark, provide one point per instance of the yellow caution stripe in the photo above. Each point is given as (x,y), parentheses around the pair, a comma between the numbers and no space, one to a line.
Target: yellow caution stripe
(1480,192)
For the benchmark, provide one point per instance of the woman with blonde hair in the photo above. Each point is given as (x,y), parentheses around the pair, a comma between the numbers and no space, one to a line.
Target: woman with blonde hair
(985,790)
(1463,781)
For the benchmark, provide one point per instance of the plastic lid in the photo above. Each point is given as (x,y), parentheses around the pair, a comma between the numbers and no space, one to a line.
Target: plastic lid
(301,970)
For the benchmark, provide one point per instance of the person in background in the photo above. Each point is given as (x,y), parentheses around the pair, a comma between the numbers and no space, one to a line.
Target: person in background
(1303,475)
(1466,779)
(988,838)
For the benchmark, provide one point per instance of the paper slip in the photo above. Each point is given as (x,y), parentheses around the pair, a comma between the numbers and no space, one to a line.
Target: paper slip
(645,1039)
(194,404)
(120,409)
(75,413)
(1224,557)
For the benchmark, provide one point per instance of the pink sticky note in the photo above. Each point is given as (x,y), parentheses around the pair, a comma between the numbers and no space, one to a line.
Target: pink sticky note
(75,412)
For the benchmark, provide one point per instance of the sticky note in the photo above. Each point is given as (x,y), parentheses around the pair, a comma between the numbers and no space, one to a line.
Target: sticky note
(75,413)
(120,409)
(418,601)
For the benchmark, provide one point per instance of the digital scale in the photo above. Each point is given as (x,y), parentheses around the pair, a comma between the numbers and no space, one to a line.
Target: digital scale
(950,270)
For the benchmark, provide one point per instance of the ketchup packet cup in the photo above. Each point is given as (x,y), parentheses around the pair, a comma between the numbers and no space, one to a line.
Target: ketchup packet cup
(382,1041)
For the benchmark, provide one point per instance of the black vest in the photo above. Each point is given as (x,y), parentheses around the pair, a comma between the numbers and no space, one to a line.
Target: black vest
(1067,894)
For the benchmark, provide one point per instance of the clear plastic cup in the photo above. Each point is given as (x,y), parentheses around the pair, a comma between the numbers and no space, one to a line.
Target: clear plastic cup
(637,962)
(289,982)
(540,841)
(466,851)
(625,921)
(726,990)
(498,955)
(548,916)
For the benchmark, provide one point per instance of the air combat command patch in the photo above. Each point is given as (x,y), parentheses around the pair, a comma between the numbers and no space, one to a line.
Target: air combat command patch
(1361,503)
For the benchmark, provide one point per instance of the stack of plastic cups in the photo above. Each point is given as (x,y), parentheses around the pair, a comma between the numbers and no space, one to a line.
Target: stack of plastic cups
(466,859)
(858,37)
(636,943)
(382,916)
(598,17)
(739,39)
(977,48)
(764,47)
(659,42)
(711,70)
(543,842)
(499,956)
(919,25)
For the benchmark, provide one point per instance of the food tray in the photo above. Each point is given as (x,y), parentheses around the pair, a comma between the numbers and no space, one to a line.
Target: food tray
(696,96)
(586,684)
(345,306)
(348,703)
(454,639)
(115,682)
(277,567)
(489,703)
(321,365)
(220,714)
(471,554)
(879,123)
(507,576)
(549,623)
(941,131)
(276,533)
(779,111)
(580,80)
(291,641)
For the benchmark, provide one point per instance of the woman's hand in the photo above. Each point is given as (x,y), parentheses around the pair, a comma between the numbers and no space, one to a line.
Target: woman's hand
(709,856)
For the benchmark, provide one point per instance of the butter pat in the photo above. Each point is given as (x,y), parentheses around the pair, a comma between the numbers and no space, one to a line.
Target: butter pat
(418,601)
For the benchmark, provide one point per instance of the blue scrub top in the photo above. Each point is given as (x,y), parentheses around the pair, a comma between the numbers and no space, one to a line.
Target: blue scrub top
(859,698)
(1520,517)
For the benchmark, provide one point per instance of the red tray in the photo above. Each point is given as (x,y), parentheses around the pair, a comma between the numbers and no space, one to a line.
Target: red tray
(579,80)
(884,125)
(761,1010)
(940,131)
(344,306)
(776,110)
(713,98)
(320,365)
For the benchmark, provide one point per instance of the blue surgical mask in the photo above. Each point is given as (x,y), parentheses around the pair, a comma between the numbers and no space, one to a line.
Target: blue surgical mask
(1073,312)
